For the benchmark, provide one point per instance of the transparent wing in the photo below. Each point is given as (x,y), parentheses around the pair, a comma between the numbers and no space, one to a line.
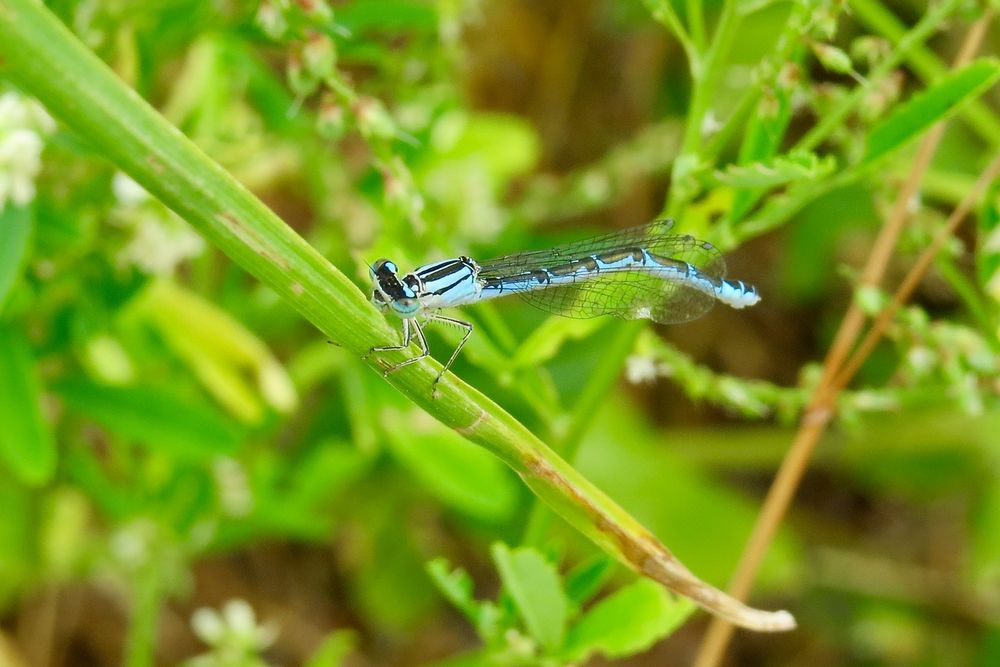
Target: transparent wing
(626,293)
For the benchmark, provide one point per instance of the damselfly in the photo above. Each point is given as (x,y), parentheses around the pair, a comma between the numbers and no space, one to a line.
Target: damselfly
(638,273)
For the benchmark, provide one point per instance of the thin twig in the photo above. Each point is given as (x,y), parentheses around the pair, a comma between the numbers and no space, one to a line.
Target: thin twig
(820,409)
(913,277)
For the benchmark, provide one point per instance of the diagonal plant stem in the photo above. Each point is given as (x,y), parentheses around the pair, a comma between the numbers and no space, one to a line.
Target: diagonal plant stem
(912,278)
(599,383)
(821,406)
(47,61)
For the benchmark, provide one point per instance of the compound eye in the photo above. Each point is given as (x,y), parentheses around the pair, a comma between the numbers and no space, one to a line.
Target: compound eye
(383,265)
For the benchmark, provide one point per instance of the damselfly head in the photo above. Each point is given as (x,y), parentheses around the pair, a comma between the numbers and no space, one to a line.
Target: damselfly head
(388,291)
(383,267)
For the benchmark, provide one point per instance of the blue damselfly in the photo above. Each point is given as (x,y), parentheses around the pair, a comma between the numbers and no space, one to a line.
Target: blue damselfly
(638,273)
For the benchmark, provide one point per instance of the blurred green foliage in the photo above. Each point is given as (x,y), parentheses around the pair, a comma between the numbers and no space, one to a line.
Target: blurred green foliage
(174,437)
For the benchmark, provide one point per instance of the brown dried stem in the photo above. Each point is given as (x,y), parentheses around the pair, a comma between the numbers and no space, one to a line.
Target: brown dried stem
(835,373)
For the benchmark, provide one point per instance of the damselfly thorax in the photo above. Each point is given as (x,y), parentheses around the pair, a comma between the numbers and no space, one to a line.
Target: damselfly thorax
(637,273)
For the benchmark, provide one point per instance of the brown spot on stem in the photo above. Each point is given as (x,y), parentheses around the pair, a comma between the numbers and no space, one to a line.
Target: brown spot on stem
(155,164)
(250,237)
(641,551)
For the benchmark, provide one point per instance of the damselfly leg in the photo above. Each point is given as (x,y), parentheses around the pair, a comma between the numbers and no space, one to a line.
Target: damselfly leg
(454,355)
(407,338)
(412,329)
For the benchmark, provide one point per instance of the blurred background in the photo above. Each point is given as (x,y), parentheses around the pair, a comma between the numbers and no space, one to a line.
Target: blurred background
(211,483)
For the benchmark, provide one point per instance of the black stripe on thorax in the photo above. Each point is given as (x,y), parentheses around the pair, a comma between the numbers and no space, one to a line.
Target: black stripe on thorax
(441,291)
(444,269)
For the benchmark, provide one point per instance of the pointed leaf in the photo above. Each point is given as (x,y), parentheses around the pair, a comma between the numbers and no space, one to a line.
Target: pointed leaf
(155,417)
(781,169)
(456,586)
(334,649)
(626,622)
(467,478)
(545,341)
(586,579)
(26,443)
(926,108)
(534,584)
(15,230)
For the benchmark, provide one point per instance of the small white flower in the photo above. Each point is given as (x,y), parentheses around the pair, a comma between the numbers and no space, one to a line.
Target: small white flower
(875,401)
(160,244)
(22,124)
(921,359)
(19,111)
(127,192)
(710,124)
(208,626)
(595,186)
(234,488)
(235,629)
(132,543)
(640,369)
(160,240)
(20,162)
(271,20)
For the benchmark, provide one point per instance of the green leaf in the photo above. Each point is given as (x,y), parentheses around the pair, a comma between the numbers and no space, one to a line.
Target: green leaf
(503,144)
(547,339)
(18,541)
(534,585)
(15,230)
(233,364)
(334,649)
(387,15)
(781,169)
(456,586)
(928,107)
(26,443)
(762,138)
(587,578)
(155,417)
(627,622)
(466,478)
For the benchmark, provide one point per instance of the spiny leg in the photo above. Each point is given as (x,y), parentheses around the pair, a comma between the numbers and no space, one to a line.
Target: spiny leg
(392,348)
(421,340)
(407,336)
(454,355)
